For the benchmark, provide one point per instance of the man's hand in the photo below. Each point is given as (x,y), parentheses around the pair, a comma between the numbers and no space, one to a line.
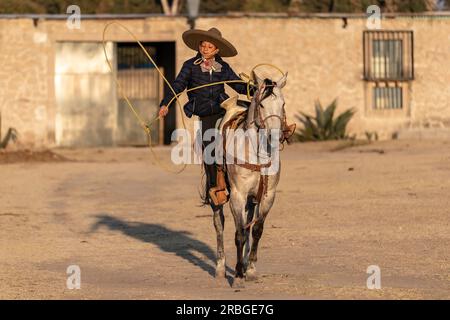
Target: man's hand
(163,111)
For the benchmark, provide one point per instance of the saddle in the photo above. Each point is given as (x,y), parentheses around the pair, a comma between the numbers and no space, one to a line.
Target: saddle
(219,194)
(236,113)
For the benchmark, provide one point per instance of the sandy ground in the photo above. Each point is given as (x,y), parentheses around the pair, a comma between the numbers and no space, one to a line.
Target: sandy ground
(136,231)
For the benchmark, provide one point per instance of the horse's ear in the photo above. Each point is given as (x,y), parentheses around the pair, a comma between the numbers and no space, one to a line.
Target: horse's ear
(282,82)
(258,80)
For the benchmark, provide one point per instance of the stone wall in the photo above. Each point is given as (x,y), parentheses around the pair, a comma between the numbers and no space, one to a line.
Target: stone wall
(323,58)
(25,97)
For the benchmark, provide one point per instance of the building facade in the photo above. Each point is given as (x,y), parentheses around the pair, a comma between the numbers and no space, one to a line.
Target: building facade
(56,88)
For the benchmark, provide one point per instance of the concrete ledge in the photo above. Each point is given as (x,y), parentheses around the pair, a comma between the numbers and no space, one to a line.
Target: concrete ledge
(432,133)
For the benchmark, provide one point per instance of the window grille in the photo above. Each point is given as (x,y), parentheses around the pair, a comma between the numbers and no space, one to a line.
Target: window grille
(387,97)
(388,55)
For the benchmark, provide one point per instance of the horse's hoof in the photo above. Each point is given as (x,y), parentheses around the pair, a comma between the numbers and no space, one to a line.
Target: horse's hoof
(220,272)
(222,282)
(238,283)
(251,275)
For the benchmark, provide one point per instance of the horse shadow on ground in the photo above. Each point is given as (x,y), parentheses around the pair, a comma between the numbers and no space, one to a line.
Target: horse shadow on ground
(178,242)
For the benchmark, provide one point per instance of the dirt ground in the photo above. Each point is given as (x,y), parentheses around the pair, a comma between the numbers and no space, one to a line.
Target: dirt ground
(137,232)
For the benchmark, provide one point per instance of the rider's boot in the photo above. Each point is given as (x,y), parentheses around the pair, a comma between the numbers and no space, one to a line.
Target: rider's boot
(219,194)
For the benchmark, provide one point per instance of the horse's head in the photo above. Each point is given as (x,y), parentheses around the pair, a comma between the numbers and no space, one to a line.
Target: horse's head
(269,111)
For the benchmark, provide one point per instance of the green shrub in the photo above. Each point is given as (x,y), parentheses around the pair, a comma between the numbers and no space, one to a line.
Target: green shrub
(323,126)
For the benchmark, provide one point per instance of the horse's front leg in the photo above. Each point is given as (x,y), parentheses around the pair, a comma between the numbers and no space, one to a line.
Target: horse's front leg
(237,205)
(219,223)
(250,209)
(257,231)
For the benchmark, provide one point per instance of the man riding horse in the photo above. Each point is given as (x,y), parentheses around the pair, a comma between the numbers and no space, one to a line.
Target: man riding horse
(250,190)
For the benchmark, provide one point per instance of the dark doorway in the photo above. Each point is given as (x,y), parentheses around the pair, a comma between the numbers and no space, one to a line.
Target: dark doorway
(144,87)
(165,57)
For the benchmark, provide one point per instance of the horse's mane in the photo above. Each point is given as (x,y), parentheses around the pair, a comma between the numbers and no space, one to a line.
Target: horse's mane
(268,88)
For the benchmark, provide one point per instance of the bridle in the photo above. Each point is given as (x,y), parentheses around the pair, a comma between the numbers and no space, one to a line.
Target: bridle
(258,116)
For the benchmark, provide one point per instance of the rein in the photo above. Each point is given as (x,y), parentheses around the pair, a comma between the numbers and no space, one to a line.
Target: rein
(262,121)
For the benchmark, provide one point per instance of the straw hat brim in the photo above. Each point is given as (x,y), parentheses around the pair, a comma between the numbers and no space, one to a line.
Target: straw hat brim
(192,39)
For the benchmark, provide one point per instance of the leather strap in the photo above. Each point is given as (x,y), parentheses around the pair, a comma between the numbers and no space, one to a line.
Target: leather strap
(263,179)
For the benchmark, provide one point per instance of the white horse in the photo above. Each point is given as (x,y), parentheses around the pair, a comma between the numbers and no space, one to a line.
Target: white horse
(251,193)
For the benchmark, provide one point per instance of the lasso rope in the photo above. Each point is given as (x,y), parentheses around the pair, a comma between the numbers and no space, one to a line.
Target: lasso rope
(147,127)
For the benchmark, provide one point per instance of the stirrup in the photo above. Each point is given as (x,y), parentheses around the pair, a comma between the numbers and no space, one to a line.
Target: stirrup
(218,197)
(219,194)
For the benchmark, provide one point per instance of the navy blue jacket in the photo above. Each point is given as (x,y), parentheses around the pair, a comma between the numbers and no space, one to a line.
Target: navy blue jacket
(205,101)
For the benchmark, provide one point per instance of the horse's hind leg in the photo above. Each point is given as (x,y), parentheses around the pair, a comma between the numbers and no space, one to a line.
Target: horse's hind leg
(219,223)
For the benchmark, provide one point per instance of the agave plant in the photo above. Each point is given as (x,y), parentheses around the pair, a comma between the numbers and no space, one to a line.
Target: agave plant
(11,135)
(322,126)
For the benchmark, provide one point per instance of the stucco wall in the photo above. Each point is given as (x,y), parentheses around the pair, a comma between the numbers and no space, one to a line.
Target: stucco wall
(323,59)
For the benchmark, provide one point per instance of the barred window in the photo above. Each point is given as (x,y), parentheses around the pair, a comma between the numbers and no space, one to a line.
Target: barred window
(387,97)
(388,55)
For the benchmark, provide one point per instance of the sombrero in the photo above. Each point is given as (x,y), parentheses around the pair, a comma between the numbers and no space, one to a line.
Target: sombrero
(192,39)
